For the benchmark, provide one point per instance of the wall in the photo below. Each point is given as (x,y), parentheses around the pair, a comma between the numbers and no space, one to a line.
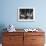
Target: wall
(9,13)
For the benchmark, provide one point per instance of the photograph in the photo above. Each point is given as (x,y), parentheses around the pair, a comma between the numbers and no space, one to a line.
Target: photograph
(26,14)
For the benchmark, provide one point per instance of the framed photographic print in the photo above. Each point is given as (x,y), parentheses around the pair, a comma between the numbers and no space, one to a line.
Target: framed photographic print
(26,14)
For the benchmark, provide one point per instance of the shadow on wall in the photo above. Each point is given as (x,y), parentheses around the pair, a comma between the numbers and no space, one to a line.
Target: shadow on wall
(2,26)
